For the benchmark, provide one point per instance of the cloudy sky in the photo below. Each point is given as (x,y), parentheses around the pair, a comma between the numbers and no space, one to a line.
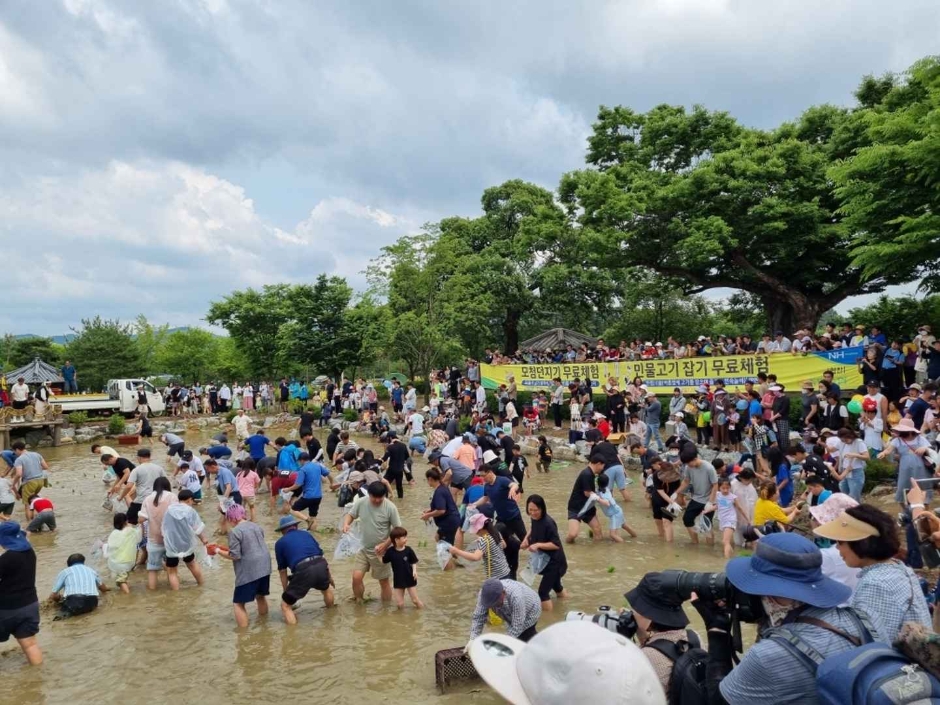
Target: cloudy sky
(156,155)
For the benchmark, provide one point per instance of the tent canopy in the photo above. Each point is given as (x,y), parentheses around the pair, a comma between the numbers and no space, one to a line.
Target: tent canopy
(555,338)
(35,372)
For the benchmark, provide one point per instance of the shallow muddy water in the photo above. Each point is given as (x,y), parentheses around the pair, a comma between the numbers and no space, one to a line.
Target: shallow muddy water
(164,647)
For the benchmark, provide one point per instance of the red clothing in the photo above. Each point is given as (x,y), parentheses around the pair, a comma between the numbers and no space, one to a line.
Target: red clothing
(604,427)
(41,504)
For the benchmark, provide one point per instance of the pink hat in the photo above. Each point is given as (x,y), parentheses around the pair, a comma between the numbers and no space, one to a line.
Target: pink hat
(905,425)
(832,507)
(476,522)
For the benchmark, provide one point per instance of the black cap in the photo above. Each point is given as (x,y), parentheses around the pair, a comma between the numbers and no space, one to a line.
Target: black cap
(658,602)
(814,480)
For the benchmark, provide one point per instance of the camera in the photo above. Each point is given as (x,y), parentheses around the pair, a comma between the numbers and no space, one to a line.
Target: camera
(623,623)
(715,587)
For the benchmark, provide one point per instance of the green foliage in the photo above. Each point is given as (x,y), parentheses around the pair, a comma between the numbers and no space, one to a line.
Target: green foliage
(350,415)
(116,424)
(879,472)
(253,319)
(103,350)
(16,352)
(887,187)
(77,418)
(230,414)
(899,317)
(149,341)
(191,355)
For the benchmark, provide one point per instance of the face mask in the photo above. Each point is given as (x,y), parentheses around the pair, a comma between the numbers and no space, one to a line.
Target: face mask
(776,612)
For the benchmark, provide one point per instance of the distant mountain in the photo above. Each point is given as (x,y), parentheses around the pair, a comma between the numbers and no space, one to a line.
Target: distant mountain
(68,337)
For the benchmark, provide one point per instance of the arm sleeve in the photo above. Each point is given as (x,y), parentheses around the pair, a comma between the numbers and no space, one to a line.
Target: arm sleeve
(412,558)
(234,546)
(776,513)
(59,582)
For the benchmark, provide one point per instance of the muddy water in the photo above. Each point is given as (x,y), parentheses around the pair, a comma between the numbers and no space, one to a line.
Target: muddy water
(181,646)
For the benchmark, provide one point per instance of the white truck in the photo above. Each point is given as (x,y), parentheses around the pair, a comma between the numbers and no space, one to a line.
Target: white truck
(121,398)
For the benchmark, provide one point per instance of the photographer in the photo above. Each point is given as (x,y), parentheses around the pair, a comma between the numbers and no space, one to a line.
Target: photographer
(785,572)
(661,625)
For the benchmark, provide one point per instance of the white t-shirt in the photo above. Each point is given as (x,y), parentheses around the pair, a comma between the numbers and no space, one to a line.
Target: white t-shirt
(225,393)
(19,392)
(189,480)
(6,491)
(241,426)
(747,496)
(872,432)
(417,424)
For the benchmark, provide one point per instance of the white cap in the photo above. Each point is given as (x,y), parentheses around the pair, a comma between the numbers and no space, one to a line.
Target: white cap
(569,662)
(489,456)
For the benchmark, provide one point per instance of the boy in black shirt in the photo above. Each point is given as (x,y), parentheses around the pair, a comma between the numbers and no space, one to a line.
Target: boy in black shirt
(519,467)
(545,455)
(404,570)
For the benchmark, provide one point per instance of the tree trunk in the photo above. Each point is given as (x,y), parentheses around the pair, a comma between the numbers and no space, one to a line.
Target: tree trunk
(783,316)
(511,331)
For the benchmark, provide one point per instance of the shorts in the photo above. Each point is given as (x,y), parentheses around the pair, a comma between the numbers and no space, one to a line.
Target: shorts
(309,574)
(176,449)
(418,443)
(465,485)
(155,556)
(659,508)
(175,560)
(133,510)
(28,489)
(248,501)
(20,623)
(312,504)
(197,495)
(46,518)
(249,591)
(7,509)
(279,482)
(397,408)
(79,604)
(368,562)
(147,434)
(617,476)
(691,513)
(585,518)
(20,405)
(448,534)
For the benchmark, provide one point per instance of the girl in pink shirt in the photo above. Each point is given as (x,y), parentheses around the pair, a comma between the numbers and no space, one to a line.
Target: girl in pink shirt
(248,480)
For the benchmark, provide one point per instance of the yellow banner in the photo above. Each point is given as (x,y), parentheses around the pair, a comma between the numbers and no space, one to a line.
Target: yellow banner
(662,376)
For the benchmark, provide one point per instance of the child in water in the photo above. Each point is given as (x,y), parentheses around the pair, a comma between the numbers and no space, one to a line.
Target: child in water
(404,568)
(729,509)
(122,550)
(545,455)
(612,510)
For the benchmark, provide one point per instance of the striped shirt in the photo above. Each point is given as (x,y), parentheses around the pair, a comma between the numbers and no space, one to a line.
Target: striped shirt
(889,593)
(770,673)
(78,579)
(520,609)
(494,560)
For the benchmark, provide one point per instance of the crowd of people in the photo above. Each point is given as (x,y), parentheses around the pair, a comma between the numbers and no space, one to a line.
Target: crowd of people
(791,495)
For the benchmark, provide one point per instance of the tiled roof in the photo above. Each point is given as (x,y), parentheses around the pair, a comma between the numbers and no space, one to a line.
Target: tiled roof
(35,372)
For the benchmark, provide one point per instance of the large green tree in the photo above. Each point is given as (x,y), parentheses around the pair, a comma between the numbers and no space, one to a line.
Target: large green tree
(19,351)
(191,354)
(149,340)
(102,350)
(253,319)
(899,316)
(888,187)
(696,197)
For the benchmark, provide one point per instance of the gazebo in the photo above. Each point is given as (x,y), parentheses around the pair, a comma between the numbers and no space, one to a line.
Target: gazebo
(35,372)
(555,338)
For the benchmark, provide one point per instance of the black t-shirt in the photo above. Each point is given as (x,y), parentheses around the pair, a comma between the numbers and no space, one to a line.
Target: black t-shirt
(585,482)
(443,499)
(266,465)
(593,435)
(120,465)
(306,421)
(402,561)
(331,442)
(397,455)
(17,579)
(313,447)
(546,531)
(451,428)
(507,444)
(608,451)
(487,442)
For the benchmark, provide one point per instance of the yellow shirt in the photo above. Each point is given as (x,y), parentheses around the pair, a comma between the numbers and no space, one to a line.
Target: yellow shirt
(766,510)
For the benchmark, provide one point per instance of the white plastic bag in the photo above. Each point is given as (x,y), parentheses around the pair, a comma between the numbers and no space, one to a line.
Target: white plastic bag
(119,505)
(349,544)
(592,500)
(225,503)
(108,503)
(97,551)
(527,575)
(467,517)
(443,554)
(538,561)
(284,496)
(109,476)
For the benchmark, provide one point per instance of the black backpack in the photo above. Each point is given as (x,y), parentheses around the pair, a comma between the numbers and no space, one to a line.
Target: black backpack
(689,661)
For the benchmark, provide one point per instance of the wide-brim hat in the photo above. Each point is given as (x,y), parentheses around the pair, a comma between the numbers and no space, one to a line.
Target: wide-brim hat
(569,662)
(905,425)
(12,537)
(845,527)
(287,522)
(489,456)
(648,598)
(476,522)
(788,566)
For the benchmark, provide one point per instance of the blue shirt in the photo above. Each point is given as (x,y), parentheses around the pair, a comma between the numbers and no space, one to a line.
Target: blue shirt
(9,456)
(78,579)
(754,409)
(287,457)
(256,445)
(68,372)
(880,339)
(893,358)
(473,493)
(309,477)
(225,477)
(498,494)
(397,394)
(443,499)
(786,494)
(293,547)
(217,452)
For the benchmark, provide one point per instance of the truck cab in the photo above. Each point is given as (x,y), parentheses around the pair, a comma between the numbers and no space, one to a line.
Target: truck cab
(124,391)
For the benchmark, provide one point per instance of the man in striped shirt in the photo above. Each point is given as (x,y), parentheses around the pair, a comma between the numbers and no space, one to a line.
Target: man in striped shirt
(516,604)
(77,587)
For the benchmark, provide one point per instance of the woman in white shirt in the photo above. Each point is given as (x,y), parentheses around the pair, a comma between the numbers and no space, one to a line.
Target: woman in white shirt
(853,454)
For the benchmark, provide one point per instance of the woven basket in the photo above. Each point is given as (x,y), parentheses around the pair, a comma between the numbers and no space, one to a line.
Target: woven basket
(452,665)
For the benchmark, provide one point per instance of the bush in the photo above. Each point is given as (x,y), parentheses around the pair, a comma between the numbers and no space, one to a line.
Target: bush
(879,472)
(77,418)
(230,414)
(350,415)
(116,424)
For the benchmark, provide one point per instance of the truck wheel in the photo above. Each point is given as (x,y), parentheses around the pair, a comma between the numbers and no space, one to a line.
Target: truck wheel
(157,413)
